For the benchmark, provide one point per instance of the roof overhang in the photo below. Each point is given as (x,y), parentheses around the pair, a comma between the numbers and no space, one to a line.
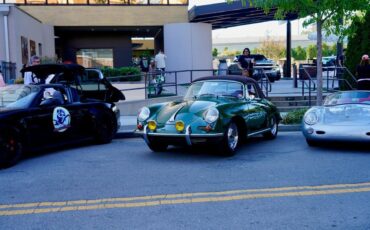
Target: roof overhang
(224,15)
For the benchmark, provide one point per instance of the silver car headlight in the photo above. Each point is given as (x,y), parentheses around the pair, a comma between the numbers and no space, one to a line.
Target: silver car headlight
(144,114)
(211,115)
(311,118)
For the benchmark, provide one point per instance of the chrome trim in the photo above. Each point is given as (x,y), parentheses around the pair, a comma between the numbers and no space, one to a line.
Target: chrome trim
(183,135)
(259,132)
(145,134)
(187,135)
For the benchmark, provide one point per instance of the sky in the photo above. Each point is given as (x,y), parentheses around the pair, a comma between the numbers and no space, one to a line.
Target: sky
(274,28)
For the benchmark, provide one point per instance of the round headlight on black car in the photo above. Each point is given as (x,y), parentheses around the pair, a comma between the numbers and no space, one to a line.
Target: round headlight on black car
(211,115)
(311,118)
(144,114)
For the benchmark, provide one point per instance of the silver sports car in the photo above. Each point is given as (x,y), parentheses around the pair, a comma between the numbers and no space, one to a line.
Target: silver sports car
(345,116)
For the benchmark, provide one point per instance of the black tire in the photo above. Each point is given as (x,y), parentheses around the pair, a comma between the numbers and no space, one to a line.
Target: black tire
(157,147)
(312,143)
(11,149)
(274,129)
(231,140)
(104,133)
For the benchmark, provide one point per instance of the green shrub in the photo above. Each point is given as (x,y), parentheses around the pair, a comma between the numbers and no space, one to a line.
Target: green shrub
(122,73)
(294,117)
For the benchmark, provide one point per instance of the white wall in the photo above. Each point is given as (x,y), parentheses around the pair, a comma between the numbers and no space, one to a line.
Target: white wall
(188,46)
(22,24)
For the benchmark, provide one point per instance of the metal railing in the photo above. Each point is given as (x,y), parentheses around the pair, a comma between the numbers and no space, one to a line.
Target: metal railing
(333,76)
(175,82)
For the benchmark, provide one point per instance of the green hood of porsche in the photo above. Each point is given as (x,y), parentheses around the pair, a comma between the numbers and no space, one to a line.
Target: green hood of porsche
(187,110)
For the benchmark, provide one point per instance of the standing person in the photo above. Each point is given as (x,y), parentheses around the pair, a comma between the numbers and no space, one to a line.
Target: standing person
(363,73)
(246,62)
(144,64)
(2,83)
(29,77)
(160,60)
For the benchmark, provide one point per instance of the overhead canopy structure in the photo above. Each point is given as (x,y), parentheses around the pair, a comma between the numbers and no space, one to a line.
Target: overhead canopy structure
(224,15)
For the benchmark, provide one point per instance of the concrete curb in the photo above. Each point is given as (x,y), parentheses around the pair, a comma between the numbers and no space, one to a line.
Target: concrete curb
(131,134)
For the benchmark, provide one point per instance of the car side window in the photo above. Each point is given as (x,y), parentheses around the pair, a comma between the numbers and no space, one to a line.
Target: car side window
(251,93)
(90,81)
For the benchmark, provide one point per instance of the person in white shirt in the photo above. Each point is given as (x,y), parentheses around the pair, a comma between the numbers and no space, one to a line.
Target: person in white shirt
(2,83)
(160,60)
(29,77)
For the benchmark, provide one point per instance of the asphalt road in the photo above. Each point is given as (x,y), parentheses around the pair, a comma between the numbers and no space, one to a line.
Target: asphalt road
(279,184)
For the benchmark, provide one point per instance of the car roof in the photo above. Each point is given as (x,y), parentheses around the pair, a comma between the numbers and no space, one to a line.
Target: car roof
(44,70)
(238,78)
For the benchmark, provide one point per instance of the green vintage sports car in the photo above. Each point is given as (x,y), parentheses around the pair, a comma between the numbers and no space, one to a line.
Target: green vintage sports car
(219,111)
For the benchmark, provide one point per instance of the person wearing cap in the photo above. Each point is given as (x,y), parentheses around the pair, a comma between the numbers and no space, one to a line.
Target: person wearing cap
(363,73)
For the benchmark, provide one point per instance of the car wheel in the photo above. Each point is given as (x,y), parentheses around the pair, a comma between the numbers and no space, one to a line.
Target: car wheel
(105,133)
(157,147)
(274,128)
(11,150)
(231,140)
(312,143)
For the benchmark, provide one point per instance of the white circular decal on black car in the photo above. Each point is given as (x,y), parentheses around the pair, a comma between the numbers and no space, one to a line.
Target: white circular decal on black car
(61,119)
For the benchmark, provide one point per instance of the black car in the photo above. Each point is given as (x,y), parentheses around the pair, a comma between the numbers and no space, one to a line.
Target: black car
(38,116)
(263,66)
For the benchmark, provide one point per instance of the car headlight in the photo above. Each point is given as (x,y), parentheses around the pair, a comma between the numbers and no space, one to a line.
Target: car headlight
(311,118)
(211,115)
(144,114)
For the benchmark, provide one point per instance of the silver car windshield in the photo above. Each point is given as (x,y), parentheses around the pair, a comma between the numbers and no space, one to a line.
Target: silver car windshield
(18,96)
(348,97)
(215,89)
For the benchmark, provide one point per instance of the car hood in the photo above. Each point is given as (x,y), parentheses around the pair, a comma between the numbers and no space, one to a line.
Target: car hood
(347,114)
(186,110)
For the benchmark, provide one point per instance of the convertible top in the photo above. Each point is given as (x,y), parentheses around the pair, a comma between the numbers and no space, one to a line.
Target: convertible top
(238,78)
(44,70)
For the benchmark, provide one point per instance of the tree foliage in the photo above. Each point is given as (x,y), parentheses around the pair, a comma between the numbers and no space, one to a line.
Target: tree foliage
(329,15)
(271,48)
(359,43)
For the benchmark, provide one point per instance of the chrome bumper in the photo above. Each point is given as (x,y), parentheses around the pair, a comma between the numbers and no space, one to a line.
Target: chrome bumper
(187,135)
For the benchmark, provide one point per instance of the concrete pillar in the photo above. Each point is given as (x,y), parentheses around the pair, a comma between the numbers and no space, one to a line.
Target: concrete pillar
(188,46)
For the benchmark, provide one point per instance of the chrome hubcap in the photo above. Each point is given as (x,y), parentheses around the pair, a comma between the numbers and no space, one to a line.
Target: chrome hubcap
(273,126)
(232,136)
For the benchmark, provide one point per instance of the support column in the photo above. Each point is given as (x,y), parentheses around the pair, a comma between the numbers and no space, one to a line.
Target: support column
(288,73)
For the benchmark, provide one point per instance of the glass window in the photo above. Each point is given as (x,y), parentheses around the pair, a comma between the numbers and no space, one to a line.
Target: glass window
(95,57)
(36,1)
(84,2)
(118,1)
(215,89)
(18,96)
(139,2)
(159,2)
(175,2)
(98,1)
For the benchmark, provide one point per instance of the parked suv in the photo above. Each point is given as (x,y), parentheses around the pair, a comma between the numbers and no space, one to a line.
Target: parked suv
(270,68)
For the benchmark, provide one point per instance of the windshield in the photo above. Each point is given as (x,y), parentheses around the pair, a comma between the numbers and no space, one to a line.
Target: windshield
(215,89)
(361,97)
(18,96)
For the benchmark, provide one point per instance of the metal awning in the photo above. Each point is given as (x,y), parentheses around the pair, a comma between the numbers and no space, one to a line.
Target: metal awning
(224,15)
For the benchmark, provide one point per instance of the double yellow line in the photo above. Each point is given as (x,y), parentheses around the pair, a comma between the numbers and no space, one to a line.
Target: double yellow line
(184,198)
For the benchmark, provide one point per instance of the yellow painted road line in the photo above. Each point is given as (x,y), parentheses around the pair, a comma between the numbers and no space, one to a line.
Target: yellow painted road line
(129,202)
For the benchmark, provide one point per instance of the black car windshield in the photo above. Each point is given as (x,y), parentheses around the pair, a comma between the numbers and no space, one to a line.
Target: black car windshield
(215,89)
(18,96)
(347,97)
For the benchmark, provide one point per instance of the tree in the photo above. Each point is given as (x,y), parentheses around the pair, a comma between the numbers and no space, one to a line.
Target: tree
(299,53)
(214,52)
(328,15)
(271,48)
(359,43)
